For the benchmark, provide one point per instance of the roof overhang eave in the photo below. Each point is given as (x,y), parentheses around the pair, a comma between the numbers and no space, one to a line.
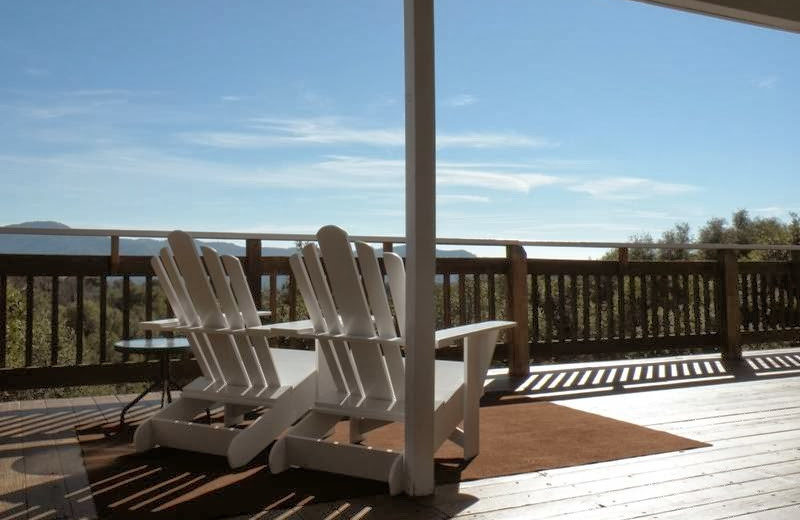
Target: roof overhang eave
(772,14)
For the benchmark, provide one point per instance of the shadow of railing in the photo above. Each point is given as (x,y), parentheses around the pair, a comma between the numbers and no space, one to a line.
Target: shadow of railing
(582,380)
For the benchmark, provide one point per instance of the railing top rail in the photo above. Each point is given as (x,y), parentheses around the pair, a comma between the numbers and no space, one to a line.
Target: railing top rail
(292,237)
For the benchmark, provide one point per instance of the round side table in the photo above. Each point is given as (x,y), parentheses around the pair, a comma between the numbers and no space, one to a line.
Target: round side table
(163,348)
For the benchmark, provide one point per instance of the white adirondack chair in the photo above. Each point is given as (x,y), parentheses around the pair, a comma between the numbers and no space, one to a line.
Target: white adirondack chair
(361,367)
(213,306)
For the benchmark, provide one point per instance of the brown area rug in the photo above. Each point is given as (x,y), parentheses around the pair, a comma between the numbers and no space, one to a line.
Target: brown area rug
(515,438)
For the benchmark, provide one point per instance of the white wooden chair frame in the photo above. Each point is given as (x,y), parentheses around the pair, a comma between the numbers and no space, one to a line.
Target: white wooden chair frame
(361,367)
(211,300)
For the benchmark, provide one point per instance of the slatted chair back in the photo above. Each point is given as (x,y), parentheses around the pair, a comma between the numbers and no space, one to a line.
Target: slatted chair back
(312,282)
(172,284)
(227,351)
(338,291)
(396,273)
(240,310)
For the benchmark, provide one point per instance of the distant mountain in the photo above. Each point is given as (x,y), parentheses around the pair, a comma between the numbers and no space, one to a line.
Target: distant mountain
(74,245)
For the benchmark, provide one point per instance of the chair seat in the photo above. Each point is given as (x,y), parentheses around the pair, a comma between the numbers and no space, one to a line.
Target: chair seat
(297,365)
(449,380)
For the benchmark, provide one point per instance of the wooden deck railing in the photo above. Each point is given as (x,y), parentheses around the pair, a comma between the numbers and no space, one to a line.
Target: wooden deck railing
(60,314)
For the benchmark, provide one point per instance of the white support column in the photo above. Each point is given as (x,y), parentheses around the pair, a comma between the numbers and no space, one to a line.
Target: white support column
(421,246)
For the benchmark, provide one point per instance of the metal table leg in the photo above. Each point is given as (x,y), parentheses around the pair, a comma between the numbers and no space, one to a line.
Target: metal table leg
(136,400)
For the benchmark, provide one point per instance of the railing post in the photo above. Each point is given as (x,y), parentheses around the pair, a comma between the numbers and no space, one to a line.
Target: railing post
(519,349)
(730,335)
(114,258)
(253,270)
(388,247)
(795,279)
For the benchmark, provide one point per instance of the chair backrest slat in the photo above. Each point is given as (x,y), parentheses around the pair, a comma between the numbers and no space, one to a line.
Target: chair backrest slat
(207,308)
(379,303)
(168,262)
(169,290)
(250,317)
(396,272)
(222,289)
(333,324)
(351,302)
(317,321)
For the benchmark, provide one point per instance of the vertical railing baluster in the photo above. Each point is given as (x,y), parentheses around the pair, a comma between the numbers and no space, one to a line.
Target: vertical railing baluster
(784,298)
(635,307)
(562,320)
(3,320)
(764,315)
(79,321)
(573,289)
(492,297)
(462,298)
(28,321)
(644,305)
(685,302)
(676,304)
(696,302)
(273,295)
(126,311)
(548,309)
(292,299)
(707,324)
(746,306)
(610,307)
(621,305)
(148,302)
(598,287)
(655,295)
(535,307)
(476,298)
(755,313)
(666,304)
(54,340)
(103,317)
(587,328)
(446,299)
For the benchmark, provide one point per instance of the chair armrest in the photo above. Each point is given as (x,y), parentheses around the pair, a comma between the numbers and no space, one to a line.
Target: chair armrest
(159,325)
(293,329)
(447,336)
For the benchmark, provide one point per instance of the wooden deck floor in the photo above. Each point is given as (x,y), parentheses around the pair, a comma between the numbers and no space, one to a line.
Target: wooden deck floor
(750,416)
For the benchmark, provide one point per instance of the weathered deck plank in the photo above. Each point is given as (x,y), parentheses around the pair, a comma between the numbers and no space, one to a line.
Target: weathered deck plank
(752,467)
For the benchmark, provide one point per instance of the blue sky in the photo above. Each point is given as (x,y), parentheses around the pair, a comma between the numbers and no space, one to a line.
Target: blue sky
(557,119)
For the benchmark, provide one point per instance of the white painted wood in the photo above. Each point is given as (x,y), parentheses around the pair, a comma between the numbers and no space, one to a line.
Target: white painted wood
(421,243)
(351,303)
(251,318)
(190,316)
(396,272)
(282,382)
(458,386)
(208,308)
(384,321)
(184,316)
(333,323)
(235,319)
(315,313)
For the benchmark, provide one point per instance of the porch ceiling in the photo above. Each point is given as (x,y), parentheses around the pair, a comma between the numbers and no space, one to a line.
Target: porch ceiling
(777,14)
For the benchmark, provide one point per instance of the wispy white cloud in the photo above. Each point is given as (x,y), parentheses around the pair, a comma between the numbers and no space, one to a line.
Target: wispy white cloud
(230,98)
(54,112)
(36,71)
(460,100)
(462,198)
(630,188)
(766,82)
(272,132)
(774,211)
